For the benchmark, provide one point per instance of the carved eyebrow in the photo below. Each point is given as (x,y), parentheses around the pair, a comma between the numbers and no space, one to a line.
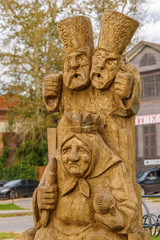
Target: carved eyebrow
(80,54)
(111,59)
(66,147)
(79,147)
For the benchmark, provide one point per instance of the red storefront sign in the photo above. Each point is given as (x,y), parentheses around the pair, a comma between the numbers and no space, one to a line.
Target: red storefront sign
(147,119)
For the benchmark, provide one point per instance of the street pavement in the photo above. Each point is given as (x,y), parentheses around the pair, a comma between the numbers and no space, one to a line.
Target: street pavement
(16,224)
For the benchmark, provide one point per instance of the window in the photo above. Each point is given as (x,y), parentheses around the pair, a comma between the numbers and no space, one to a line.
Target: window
(150,144)
(147,59)
(157,79)
(150,86)
(152,176)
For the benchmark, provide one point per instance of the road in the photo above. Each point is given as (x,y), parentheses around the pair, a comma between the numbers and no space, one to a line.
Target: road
(20,224)
(16,224)
(154,207)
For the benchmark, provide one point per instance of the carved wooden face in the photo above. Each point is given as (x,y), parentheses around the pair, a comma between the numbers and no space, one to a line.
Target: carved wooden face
(76,70)
(76,156)
(105,66)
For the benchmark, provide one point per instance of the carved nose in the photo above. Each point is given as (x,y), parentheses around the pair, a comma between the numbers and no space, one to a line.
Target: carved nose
(101,65)
(73,157)
(74,64)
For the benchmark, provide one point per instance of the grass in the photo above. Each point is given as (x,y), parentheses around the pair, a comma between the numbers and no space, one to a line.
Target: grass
(17,236)
(16,214)
(4,235)
(152,198)
(156,238)
(10,206)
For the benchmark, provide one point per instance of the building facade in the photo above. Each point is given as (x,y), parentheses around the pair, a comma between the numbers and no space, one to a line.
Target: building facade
(146,57)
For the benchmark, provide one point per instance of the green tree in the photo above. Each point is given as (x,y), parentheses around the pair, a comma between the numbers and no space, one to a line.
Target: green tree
(31,49)
(4,156)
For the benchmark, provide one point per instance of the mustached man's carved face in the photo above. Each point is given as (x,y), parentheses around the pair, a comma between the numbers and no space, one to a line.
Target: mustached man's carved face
(105,66)
(76,157)
(76,70)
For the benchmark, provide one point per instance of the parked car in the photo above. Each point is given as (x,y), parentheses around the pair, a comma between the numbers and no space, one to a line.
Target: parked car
(149,181)
(18,188)
(2,182)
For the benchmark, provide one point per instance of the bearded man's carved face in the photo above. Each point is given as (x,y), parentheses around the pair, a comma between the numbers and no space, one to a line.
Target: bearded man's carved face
(105,66)
(76,70)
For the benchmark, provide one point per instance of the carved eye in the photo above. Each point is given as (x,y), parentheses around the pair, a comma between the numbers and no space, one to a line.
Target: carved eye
(99,58)
(81,150)
(109,62)
(66,151)
(67,60)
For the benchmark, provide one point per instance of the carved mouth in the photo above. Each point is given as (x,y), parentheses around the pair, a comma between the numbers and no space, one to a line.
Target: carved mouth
(76,75)
(98,75)
(73,165)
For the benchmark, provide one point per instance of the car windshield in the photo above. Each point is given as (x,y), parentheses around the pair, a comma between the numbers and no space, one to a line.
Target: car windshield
(139,175)
(11,183)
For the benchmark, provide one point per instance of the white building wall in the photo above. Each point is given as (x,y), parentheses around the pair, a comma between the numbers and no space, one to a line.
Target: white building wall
(2,126)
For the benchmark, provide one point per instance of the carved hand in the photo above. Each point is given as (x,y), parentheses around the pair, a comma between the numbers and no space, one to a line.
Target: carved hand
(104,203)
(52,85)
(47,197)
(123,84)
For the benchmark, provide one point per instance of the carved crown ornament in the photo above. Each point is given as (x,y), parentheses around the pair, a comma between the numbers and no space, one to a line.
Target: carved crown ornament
(116,31)
(77,34)
(75,122)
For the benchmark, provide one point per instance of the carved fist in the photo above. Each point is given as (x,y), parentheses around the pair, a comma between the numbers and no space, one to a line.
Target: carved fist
(123,84)
(104,203)
(47,197)
(52,85)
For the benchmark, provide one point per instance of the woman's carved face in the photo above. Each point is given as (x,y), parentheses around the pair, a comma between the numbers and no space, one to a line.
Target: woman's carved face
(76,156)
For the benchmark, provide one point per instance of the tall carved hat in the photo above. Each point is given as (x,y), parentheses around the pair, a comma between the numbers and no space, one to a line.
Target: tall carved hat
(116,31)
(76,34)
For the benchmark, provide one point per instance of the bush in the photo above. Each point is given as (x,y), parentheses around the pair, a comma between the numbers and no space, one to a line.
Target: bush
(5,153)
(32,153)
(19,172)
(29,155)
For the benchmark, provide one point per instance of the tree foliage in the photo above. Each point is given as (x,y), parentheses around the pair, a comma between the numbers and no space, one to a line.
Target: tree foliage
(32,153)
(4,156)
(28,155)
(30,49)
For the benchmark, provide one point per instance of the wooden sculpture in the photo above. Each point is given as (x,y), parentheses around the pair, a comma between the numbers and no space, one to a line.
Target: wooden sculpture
(88,190)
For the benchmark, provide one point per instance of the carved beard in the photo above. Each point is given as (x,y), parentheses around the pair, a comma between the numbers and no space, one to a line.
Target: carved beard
(76,79)
(102,79)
